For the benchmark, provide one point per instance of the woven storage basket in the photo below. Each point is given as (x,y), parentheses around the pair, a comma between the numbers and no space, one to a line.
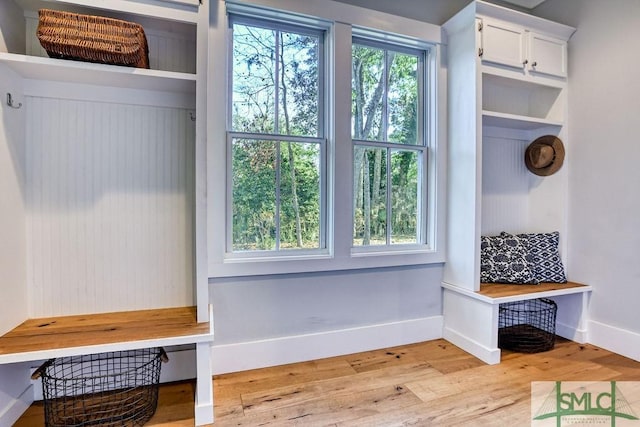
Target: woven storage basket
(92,38)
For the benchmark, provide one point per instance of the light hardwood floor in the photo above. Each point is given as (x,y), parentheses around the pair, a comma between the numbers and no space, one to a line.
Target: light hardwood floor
(427,384)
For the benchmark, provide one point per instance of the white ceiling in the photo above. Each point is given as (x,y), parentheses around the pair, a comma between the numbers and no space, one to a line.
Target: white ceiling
(529,4)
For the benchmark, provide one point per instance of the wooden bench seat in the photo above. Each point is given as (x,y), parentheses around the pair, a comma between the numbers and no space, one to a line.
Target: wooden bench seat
(44,338)
(472,320)
(504,290)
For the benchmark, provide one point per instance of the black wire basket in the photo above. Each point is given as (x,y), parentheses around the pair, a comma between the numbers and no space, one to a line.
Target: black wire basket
(527,326)
(108,389)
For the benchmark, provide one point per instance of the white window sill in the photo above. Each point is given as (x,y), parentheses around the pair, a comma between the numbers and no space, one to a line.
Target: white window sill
(236,267)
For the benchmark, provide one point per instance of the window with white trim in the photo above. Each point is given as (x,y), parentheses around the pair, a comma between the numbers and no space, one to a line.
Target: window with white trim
(276,138)
(330,144)
(389,144)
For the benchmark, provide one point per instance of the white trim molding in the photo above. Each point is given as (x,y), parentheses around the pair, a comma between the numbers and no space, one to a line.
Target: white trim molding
(490,356)
(617,340)
(16,407)
(283,350)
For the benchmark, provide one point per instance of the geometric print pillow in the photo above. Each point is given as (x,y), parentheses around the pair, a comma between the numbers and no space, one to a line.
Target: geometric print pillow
(504,259)
(543,247)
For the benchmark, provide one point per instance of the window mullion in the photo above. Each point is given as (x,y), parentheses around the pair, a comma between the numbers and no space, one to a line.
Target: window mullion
(385,124)
(276,84)
(385,95)
(278,181)
(389,198)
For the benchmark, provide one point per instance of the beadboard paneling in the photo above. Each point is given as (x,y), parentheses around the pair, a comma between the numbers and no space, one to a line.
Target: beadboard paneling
(171,52)
(109,201)
(505,186)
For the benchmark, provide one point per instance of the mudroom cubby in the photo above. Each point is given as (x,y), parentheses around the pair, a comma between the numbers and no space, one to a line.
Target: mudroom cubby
(111,161)
(490,188)
(516,104)
(171,34)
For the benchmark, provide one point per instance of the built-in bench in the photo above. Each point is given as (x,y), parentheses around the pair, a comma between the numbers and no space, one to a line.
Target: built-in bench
(471,318)
(45,338)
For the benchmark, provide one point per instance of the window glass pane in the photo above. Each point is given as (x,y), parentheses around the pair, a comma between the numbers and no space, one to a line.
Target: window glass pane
(253,98)
(275,81)
(259,168)
(384,95)
(367,91)
(405,197)
(370,189)
(299,195)
(254,195)
(298,84)
(387,112)
(277,90)
(403,99)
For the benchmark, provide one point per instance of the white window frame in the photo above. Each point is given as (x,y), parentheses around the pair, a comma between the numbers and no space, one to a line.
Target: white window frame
(341,22)
(320,140)
(421,147)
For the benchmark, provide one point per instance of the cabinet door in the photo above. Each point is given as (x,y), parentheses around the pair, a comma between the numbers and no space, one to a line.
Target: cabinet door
(502,43)
(547,55)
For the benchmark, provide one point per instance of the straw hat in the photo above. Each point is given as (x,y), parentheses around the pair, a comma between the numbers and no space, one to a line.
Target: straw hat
(545,155)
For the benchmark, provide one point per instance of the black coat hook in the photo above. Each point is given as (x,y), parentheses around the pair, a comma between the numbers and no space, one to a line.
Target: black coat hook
(10,102)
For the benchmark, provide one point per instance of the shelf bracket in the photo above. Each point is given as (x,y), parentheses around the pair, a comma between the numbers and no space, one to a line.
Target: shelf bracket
(10,102)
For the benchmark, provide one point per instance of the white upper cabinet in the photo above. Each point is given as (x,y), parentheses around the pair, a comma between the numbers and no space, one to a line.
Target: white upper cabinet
(514,46)
(502,43)
(547,55)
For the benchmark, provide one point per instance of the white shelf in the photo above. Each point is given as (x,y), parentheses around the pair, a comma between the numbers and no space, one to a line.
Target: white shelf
(515,121)
(59,70)
(169,10)
(519,78)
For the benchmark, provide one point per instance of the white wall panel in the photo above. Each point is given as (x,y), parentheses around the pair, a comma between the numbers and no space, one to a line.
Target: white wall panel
(464,168)
(171,52)
(33,46)
(602,159)
(109,204)
(13,252)
(505,186)
(248,309)
(12,34)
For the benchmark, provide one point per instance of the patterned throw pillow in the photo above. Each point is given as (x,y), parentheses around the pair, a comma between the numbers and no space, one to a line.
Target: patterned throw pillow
(503,259)
(543,247)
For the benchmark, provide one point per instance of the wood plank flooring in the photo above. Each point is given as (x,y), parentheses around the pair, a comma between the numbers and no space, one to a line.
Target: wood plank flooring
(427,384)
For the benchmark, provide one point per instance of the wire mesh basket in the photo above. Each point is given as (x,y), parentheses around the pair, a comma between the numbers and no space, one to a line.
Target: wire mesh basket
(108,389)
(527,326)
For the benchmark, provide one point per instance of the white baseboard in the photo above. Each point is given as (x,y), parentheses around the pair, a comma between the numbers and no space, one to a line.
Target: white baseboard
(280,351)
(571,333)
(12,412)
(486,354)
(617,340)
